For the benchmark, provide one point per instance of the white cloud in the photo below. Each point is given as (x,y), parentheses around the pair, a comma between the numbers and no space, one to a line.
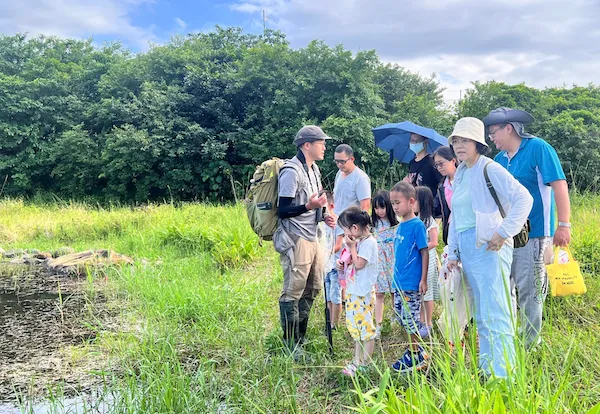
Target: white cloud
(75,18)
(539,42)
(245,8)
(182,25)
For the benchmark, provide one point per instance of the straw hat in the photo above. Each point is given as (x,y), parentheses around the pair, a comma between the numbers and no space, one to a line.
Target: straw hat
(470,128)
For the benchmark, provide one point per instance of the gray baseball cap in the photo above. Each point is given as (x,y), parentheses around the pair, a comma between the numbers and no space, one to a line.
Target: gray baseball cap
(309,133)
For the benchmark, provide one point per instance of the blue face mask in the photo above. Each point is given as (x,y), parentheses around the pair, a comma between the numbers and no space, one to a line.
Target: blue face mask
(416,148)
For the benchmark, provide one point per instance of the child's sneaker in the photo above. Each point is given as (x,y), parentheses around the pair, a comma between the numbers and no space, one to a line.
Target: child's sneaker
(350,369)
(411,361)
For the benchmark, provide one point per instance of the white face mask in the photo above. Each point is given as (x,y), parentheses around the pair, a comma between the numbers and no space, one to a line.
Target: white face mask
(416,148)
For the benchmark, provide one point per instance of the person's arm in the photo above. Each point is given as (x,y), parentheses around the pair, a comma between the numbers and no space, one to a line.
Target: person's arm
(562,236)
(433,234)
(359,262)
(365,205)
(424,270)
(363,192)
(452,245)
(287,210)
(339,241)
(554,176)
(421,243)
(288,185)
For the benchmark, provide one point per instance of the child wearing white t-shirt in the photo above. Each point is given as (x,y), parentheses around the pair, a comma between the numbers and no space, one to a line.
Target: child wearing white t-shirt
(360,285)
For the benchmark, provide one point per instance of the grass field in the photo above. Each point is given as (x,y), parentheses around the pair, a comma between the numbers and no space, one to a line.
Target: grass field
(201,331)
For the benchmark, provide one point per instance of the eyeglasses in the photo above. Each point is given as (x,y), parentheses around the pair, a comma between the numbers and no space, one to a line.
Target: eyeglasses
(492,133)
(341,162)
(460,142)
(439,165)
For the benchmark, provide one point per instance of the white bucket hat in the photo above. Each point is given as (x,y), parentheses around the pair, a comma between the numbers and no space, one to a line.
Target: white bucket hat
(470,128)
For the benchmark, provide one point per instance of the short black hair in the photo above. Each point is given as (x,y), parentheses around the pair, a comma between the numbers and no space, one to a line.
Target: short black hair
(445,152)
(329,196)
(404,188)
(482,149)
(346,149)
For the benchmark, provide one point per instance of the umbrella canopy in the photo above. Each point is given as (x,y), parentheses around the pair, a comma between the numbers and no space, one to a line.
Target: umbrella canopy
(395,139)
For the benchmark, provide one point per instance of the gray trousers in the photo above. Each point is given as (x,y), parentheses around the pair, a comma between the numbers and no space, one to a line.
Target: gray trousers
(529,287)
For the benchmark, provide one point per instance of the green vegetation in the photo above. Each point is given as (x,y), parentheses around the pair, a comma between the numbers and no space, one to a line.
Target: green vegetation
(201,331)
(189,120)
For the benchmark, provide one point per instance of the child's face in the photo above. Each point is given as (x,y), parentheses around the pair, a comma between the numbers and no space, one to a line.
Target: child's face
(381,212)
(401,205)
(352,232)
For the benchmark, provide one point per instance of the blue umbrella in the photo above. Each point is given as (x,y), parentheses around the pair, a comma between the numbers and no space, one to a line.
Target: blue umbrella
(395,139)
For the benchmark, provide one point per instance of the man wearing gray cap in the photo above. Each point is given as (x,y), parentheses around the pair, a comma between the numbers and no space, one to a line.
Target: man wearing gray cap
(535,164)
(300,210)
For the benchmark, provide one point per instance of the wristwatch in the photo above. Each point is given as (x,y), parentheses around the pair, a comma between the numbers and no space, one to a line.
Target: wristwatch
(564,224)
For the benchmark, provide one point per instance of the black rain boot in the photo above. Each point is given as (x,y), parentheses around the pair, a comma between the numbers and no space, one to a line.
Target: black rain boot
(304,306)
(288,314)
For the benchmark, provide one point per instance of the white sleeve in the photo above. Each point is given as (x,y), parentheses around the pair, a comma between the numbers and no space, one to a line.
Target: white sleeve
(452,241)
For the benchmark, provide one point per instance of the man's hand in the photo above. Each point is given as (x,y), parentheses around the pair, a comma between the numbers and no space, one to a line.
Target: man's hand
(452,264)
(562,236)
(331,220)
(316,201)
(423,287)
(496,243)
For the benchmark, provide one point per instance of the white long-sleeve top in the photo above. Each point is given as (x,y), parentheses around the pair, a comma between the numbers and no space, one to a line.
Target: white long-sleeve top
(513,196)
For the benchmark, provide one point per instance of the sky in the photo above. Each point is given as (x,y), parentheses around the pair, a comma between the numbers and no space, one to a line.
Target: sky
(539,42)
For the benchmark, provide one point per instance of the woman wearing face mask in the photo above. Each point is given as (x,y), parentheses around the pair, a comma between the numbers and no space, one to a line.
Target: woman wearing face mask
(421,171)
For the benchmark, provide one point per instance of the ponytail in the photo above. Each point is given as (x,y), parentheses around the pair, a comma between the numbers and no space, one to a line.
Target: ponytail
(355,216)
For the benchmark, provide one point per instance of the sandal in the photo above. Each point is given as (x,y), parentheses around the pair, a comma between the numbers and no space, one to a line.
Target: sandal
(350,369)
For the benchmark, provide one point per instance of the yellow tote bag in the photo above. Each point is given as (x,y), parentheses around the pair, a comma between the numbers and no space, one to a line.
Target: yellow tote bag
(565,279)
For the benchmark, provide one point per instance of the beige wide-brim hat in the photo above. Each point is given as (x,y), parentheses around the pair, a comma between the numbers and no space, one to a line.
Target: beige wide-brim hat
(470,128)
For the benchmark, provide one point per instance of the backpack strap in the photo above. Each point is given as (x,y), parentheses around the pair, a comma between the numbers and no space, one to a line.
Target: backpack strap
(490,187)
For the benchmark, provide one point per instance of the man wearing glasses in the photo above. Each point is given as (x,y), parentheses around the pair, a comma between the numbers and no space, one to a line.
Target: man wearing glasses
(352,187)
(535,164)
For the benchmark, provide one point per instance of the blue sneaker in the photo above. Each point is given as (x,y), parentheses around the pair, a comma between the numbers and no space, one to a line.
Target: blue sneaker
(411,361)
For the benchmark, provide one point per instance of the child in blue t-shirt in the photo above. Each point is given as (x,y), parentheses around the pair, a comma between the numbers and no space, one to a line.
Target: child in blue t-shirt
(410,274)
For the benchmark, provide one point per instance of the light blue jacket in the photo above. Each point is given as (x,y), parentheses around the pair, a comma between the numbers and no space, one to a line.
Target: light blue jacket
(513,196)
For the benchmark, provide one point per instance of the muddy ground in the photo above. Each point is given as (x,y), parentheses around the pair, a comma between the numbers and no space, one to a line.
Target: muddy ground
(48,323)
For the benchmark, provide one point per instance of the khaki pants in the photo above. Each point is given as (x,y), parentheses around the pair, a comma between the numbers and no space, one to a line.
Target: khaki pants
(305,278)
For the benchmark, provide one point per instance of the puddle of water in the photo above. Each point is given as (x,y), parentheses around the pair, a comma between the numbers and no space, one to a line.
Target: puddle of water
(44,337)
(86,404)
(13,303)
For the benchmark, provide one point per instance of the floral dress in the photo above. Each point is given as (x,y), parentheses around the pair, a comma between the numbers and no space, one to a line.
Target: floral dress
(384,235)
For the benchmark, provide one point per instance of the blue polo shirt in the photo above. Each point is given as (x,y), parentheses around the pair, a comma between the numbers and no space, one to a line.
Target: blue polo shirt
(536,165)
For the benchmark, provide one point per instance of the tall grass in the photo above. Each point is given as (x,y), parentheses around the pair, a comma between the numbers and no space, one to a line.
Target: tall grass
(200,330)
